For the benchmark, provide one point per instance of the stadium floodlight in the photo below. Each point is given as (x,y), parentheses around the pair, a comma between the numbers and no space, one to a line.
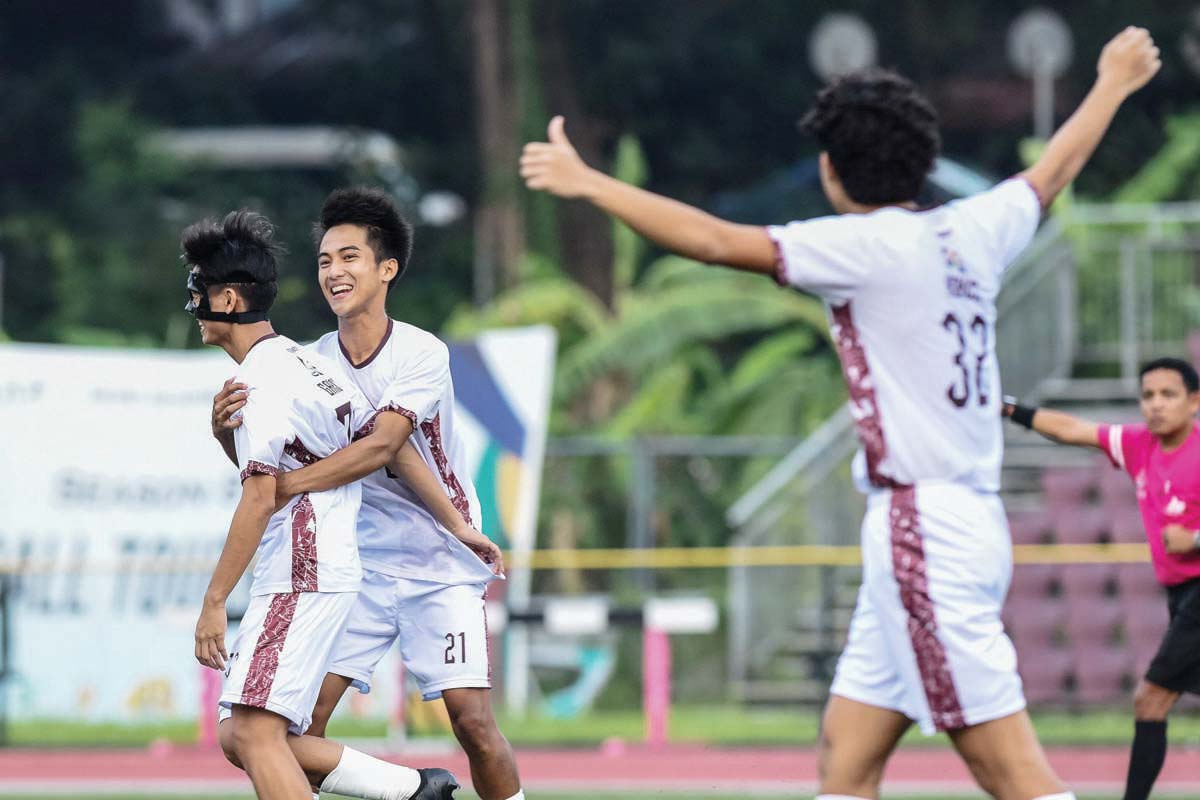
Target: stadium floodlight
(841,43)
(1040,47)
(1189,42)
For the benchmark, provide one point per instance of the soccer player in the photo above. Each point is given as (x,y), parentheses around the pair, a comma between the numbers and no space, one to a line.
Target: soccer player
(422,586)
(307,575)
(1163,458)
(911,295)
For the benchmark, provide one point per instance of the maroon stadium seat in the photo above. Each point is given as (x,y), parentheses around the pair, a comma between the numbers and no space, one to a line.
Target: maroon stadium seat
(1081,524)
(1091,582)
(1030,527)
(1127,525)
(1068,487)
(1093,621)
(1045,676)
(1103,674)
(1034,580)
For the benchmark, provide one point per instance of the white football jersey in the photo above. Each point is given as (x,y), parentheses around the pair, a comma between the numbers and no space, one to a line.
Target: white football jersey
(410,374)
(298,410)
(912,303)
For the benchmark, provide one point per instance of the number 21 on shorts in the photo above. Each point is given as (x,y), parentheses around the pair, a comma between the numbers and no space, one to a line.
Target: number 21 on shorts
(457,641)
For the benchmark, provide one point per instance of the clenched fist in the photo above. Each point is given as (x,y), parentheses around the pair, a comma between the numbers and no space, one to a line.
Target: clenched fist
(1129,60)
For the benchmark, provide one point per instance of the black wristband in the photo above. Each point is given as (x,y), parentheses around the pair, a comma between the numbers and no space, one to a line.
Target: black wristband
(1023,416)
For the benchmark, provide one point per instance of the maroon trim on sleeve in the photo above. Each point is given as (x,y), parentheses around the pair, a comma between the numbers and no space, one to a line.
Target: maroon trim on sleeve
(780,267)
(386,336)
(1041,200)
(368,427)
(258,468)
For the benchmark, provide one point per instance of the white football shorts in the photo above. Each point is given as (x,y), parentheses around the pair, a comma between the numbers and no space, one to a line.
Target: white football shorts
(281,653)
(926,638)
(442,631)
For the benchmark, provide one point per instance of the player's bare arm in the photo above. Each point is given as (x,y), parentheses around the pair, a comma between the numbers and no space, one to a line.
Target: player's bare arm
(1126,64)
(555,167)
(353,462)
(410,468)
(245,532)
(225,404)
(1054,425)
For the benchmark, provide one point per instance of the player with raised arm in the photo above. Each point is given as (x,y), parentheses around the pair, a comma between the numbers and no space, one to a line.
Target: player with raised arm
(911,296)
(307,575)
(1163,458)
(426,568)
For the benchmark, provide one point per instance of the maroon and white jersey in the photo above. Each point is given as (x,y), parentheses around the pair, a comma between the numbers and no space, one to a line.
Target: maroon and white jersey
(410,374)
(912,302)
(298,410)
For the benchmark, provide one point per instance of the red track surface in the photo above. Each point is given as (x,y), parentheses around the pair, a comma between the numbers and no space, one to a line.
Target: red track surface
(696,769)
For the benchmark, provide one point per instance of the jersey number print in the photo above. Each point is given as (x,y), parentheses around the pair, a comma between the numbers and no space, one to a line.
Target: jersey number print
(968,360)
(462,647)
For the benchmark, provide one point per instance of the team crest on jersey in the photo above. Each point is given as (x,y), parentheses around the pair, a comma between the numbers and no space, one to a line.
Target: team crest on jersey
(1176,507)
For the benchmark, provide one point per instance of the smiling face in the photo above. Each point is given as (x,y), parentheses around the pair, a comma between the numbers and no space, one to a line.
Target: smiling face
(351,278)
(1167,405)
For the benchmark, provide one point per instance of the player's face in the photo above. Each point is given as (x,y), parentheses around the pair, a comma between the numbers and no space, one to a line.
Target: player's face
(351,278)
(219,299)
(1167,406)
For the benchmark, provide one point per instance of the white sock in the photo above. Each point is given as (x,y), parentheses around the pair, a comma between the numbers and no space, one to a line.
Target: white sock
(520,795)
(1059,796)
(359,775)
(316,796)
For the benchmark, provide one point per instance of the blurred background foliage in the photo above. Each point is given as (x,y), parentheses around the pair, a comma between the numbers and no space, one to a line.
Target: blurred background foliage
(697,100)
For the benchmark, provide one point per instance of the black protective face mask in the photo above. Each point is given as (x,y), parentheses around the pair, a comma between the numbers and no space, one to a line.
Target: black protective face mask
(196,283)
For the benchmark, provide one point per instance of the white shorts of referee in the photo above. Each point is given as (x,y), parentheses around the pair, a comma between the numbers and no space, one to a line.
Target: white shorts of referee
(441,629)
(926,638)
(281,653)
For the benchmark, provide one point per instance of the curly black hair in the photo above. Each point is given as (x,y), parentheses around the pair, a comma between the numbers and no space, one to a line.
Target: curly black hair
(880,133)
(240,249)
(388,233)
(1186,371)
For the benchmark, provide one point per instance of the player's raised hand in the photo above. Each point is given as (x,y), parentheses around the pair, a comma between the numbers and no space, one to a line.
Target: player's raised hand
(225,404)
(554,166)
(1129,60)
(210,636)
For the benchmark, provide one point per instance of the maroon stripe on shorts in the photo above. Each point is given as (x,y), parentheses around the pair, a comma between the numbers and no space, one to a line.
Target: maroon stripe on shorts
(908,563)
(433,432)
(304,545)
(260,676)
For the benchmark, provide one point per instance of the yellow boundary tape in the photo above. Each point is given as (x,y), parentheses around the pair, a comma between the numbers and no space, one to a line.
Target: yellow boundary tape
(658,558)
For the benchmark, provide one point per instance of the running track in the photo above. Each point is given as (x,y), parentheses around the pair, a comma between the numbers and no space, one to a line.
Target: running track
(692,769)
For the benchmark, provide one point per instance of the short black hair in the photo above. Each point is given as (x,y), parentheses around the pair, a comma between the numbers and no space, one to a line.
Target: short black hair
(880,133)
(388,233)
(1186,371)
(240,249)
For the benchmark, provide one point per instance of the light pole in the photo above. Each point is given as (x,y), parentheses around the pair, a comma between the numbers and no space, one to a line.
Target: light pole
(1040,48)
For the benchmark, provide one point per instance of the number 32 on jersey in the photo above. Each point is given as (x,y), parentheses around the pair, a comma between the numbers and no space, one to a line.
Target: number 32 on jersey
(973,336)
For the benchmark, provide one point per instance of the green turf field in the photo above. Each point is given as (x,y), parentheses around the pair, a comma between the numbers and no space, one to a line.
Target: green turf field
(723,725)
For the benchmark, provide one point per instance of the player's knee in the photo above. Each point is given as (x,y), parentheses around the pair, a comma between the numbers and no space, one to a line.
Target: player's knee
(841,772)
(249,738)
(226,739)
(475,730)
(1151,703)
(985,771)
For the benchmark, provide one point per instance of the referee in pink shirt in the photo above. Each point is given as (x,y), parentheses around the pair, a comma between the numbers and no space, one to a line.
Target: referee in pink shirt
(1163,458)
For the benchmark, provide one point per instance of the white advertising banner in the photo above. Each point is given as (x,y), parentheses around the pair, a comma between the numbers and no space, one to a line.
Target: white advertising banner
(115,500)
